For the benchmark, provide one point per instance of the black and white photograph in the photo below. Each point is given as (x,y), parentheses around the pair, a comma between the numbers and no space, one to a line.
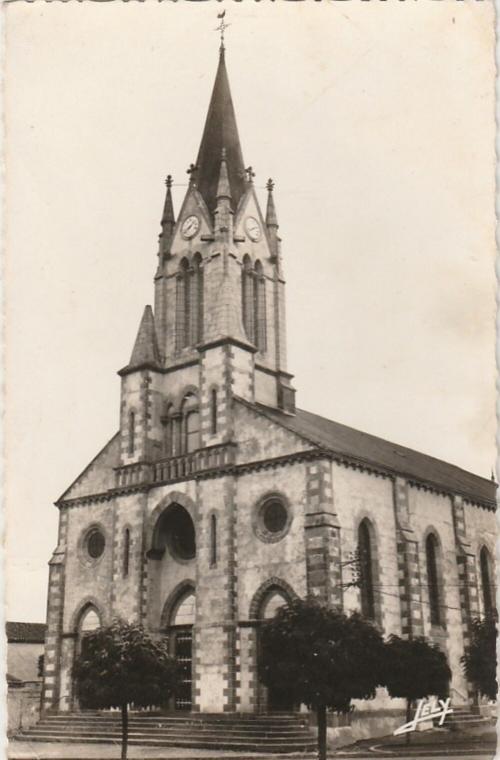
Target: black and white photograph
(250,469)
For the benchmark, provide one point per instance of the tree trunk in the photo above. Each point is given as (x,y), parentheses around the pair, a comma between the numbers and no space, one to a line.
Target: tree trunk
(408,718)
(321,718)
(124,730)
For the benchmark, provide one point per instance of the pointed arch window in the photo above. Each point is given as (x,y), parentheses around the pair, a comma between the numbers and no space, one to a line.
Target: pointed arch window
(247,298)
(433,585)
(253,299)
(183,306)
(131,433)
(191,423)
(366,569)
(196,299)
(260,307)
(213,541)
(126,552)
(486,566)
(213,411)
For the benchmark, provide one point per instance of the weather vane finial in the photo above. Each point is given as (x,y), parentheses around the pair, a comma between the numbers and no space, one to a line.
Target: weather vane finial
(222,28)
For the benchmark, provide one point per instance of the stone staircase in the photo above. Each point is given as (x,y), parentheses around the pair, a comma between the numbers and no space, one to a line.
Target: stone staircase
(466,719)
(278,732)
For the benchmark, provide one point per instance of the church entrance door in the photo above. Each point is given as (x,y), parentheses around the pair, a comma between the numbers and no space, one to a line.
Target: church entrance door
(183,652)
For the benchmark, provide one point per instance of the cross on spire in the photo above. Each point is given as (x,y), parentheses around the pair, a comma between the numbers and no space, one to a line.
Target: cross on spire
(222,28)
(250,174)
(168,181)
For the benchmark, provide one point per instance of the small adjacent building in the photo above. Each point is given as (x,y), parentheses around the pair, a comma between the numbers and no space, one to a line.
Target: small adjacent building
(25,646)
(218,499)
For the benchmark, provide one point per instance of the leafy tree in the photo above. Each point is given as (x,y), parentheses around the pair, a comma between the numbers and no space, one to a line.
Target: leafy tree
(414,669)
(320,657)
(121,665)
(480,658)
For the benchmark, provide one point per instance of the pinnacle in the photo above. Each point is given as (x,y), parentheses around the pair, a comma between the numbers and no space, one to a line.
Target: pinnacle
(145,349)
(271,217)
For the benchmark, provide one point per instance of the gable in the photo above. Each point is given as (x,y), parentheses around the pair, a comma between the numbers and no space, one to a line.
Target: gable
(98,476)
(193,205)
(259,438)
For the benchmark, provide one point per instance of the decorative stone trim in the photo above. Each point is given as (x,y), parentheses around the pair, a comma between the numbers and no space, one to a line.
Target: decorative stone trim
(259,527)
(272,584)
(83,554)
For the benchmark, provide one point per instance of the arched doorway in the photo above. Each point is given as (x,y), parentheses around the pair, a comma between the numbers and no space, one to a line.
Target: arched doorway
(181,617)
(89,622)
(276,700)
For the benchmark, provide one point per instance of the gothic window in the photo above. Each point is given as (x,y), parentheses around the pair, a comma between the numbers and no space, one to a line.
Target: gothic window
(253,298)
(260,307)
(213,541)
(191,423)
(366,566)
(89,622)
(272,604)
(431,555)
(247,298)
(131,433)
(168,432)
(126,552)
(196,301)
(213,411)
(189,303)
(183,306)
(486,581)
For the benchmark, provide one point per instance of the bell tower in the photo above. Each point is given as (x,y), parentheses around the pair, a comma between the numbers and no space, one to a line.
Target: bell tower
(219,312)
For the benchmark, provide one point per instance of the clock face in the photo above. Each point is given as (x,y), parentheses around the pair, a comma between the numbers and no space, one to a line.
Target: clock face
(253,228)
(190,226)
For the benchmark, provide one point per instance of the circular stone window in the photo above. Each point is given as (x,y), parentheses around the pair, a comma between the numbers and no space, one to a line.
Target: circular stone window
(273,519)
(95,543)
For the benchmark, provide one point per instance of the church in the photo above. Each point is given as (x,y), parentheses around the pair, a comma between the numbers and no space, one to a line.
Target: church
(218,499)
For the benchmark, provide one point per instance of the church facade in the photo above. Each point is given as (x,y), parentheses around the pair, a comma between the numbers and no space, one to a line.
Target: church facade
(218,499)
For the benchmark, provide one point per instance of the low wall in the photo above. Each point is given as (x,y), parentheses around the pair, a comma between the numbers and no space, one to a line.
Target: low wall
(23,705)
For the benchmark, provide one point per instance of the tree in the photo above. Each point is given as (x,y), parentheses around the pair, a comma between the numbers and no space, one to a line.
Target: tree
(480,658)
(413,669)
(321,658)
(121,665)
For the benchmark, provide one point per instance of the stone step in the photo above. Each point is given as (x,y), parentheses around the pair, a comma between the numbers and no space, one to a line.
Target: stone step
(176,733)
(59,719)
(147,741)
(181,724)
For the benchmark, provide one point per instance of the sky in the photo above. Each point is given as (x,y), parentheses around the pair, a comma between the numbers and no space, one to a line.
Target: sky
(376,122)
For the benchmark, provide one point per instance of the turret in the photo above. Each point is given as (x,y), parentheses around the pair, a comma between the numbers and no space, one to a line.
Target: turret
(167,222)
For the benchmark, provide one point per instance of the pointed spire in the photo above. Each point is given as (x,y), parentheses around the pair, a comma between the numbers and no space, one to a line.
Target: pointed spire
(168,218)
(145,351)
(271,217)
(223,188)
(220,132)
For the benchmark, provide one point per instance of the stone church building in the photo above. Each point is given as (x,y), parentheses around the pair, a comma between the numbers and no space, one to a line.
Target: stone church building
(218,499)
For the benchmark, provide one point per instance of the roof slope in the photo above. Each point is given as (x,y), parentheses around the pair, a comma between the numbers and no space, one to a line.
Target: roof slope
(220,132)
(369,449)
(26,633)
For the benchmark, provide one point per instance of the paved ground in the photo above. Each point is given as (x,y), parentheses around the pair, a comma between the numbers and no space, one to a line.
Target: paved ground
(22,750)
